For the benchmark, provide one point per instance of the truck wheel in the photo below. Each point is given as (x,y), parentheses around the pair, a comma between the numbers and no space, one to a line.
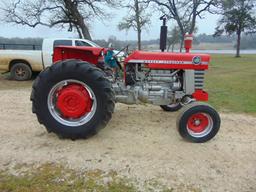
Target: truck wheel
(21,72)
(172,107)
(73,99)
(198,122)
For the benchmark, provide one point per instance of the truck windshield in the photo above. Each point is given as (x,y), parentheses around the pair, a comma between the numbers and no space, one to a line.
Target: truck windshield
(82,43)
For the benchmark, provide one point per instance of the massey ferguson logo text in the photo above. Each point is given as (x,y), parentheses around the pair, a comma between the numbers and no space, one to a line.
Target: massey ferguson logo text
(196,60)
(157,61)
(164,62)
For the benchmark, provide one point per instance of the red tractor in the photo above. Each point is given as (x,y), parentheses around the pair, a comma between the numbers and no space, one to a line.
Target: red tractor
(76,96)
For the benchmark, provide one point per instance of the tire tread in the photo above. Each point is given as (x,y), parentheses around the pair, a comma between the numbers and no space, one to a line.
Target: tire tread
(98,77)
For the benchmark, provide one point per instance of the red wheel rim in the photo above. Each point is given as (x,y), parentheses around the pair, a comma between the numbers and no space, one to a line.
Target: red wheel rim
(73,101)
(198,123)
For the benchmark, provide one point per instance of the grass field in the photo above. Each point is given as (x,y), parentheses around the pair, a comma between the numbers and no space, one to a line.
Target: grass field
(52,177)
(231,83)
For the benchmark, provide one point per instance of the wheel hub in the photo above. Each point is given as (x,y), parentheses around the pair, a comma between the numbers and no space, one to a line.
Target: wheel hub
(198,123)
(73,101)
(20,72)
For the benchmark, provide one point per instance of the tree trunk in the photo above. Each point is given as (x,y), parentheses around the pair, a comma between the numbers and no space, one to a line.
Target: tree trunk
(77,16)
(82,26)
(85,31)
(169,46)
(194,15)
(238,43)
(139,39)
(79,32)
(137,10)
(182,42)
(183,32)
(173,47)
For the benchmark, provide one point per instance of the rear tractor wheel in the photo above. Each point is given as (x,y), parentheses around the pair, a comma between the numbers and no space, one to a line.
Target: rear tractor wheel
(73,99)
(198,122)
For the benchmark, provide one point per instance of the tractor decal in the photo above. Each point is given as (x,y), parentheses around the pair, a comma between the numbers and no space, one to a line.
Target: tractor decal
(196,60)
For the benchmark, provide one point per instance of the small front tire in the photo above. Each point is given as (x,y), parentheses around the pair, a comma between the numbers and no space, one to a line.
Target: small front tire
(198,122)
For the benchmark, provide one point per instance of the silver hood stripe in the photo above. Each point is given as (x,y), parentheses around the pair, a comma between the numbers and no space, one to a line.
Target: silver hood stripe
(167,62)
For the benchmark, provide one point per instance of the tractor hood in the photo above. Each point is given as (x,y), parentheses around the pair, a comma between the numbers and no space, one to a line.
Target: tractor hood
(166,60)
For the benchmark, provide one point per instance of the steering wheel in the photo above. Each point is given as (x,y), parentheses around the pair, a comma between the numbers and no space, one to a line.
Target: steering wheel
(126,48)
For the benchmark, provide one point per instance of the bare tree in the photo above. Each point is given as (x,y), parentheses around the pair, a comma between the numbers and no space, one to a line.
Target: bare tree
(137,19)
(185,12)
(238,16)
(71,14)
(173,38)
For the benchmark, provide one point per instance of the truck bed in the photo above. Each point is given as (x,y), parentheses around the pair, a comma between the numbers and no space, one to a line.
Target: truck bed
(33,58)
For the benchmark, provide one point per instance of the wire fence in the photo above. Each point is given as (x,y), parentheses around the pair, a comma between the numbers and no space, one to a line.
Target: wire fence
(20,47)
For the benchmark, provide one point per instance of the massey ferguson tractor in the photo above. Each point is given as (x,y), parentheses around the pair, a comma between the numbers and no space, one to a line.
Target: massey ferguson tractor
(76,96)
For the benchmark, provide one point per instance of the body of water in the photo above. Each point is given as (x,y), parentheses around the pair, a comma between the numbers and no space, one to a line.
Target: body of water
(250,52)
(245,52)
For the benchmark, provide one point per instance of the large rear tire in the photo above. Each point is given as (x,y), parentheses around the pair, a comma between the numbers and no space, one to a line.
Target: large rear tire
(198,122)
(73,99)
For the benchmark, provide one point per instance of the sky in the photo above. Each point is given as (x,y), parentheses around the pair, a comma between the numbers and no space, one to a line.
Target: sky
(102,30)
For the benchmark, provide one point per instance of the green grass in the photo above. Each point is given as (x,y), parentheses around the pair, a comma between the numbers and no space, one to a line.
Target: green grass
(56,178)
(231,84)
(51,177)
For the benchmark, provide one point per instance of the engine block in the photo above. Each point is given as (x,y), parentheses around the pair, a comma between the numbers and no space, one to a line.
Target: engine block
(156,87)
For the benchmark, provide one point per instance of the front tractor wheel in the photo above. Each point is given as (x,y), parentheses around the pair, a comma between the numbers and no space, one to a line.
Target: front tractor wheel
(73,99)
(198,122)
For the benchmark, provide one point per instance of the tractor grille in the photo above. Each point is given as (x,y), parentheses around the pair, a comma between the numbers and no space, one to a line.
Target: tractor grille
(199,79)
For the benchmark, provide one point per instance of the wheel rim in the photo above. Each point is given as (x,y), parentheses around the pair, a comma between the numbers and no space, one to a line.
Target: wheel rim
(199,125)
(72,103)
(20,72)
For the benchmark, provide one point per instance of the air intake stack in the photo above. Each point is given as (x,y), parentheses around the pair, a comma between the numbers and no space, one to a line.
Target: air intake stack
(188,41)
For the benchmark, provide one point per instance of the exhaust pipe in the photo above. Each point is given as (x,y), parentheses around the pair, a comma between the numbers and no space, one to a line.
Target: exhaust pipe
(163,34)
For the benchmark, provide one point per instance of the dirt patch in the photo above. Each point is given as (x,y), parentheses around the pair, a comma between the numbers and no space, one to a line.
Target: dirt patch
(6,83)
(140,142)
